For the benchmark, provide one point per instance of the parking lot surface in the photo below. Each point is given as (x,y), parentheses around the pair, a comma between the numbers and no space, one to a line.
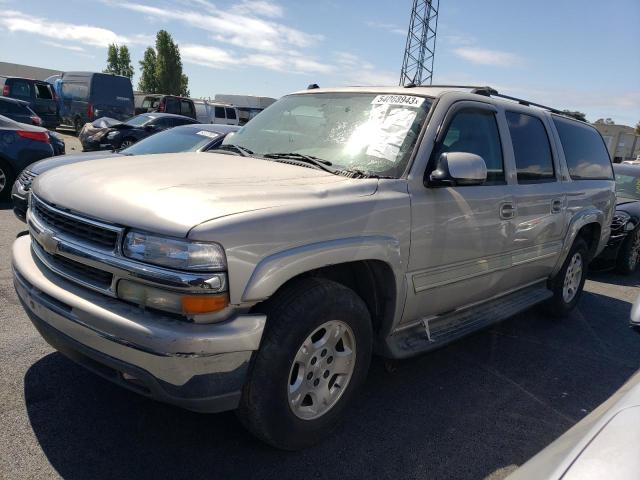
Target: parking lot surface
(475,409)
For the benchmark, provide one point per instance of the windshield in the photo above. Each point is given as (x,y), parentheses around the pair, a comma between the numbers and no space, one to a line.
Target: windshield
(357,131)
(173,141)
(628,186)
(139,121)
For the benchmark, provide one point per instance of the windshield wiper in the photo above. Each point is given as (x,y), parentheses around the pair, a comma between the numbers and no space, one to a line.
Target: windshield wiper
(299,158)
(356,173)
(232,148)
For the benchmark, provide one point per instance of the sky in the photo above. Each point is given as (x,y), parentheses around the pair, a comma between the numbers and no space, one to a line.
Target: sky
(570,54)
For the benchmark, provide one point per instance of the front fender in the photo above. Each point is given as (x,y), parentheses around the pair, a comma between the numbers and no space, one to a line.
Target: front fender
(579,220)
(273,271)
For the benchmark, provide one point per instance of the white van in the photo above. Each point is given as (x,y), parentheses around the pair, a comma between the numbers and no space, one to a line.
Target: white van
(218,113)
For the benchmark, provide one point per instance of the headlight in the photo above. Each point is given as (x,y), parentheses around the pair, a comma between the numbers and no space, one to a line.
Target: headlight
(111,135)
(174,253)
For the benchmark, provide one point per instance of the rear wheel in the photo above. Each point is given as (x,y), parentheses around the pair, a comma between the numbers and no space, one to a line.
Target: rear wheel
(7,177)
(314,356)
(568,284)
(629,254)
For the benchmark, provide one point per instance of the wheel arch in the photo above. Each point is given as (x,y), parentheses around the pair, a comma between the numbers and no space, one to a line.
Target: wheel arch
(369,266)
(587,225)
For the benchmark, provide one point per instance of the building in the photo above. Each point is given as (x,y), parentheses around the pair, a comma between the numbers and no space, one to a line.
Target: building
(26,71)
(621,140)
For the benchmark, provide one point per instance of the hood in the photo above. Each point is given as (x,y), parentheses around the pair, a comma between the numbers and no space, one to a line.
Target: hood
(172,193)
(49,163)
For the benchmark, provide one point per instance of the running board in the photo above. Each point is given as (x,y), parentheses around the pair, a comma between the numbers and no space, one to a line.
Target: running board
(433,332)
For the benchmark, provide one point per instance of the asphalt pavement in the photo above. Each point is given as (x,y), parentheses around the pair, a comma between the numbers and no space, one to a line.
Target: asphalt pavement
(475,409)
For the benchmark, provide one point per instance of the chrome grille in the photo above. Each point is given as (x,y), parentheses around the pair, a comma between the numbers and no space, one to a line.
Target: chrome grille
(86,231)
(26,179)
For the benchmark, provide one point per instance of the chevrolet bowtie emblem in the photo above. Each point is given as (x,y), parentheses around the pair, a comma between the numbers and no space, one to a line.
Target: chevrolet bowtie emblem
(48,242)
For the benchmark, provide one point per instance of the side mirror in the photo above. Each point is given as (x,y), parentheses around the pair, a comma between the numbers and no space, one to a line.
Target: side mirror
(458,168)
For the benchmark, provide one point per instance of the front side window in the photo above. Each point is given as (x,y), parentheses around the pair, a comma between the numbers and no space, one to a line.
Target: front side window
(231,113)
(364,131)
(531,148)
(472,130)
(584,150)
(139,121)
(627,185)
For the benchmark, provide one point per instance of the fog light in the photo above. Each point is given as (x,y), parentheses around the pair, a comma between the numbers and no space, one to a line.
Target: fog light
(174,302)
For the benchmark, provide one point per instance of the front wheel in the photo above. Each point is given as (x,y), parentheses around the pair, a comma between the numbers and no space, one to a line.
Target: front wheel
(568,284)
(314,356)
(629,254)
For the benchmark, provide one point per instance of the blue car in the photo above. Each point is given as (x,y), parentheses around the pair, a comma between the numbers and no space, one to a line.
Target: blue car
(20,146)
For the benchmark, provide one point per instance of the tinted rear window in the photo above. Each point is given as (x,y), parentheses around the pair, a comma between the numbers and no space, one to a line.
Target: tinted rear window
(20,88)
(14,108)
(219,112)
(584,150)
(534,162)
(231,113)
(111,90)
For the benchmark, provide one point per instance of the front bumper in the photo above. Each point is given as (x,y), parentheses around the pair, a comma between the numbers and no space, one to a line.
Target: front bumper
(195,366)
(20,201)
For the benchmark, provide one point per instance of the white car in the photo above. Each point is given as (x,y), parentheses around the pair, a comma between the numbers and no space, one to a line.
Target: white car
(218,113)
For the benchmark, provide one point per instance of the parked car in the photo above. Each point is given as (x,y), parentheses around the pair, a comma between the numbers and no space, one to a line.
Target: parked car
(149,103)
(19,111)
(602,446)
(87,96)
(337,223)
(57,143)
(38,94)
(207,112)
(20,146)
(623,250)
(123,135)
(185,138)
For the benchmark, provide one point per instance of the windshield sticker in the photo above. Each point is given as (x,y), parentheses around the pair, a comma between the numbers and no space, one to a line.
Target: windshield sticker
(204,133)
(391,127)
(400,100)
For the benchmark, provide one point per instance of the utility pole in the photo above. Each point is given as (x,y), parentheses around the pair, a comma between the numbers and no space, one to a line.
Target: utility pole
(417,66)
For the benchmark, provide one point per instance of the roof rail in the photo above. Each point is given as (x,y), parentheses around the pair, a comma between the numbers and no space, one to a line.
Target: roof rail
(492,92)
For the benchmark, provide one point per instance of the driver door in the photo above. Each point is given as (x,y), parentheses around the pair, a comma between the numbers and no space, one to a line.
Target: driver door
(459,235)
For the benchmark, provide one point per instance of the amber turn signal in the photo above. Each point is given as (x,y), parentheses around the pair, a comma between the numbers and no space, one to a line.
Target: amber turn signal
(198,304)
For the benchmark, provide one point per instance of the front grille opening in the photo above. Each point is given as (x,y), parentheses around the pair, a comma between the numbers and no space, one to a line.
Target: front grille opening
(85,273)
(86,232)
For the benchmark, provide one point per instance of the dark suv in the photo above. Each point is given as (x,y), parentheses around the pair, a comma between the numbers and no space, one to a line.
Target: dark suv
(38,94)
(19,111)
(147,103)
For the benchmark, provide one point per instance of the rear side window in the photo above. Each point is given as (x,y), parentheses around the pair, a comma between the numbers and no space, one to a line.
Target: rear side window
(43,91)
(150,102)
(75,91)
(584,150)
(20,88)
(476,131)
(231,113)
(219,112)
(185,108)
(171,105)
(534,161)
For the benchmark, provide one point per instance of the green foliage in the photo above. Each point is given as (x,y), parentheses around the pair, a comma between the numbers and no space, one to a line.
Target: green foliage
(162,68)
(119,61)
(576,114)
(148,83)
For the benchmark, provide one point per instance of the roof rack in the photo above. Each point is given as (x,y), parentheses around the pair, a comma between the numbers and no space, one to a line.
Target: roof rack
(492,92)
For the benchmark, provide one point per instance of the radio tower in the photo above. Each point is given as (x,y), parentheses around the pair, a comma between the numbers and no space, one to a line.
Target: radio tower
(417,66)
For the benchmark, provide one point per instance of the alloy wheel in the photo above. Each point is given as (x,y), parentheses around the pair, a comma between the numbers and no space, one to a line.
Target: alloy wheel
(321,370)
(572,278)
(3,180)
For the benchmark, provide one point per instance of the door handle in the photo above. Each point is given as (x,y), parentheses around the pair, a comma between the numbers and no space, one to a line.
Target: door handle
(556,206)
(507,211)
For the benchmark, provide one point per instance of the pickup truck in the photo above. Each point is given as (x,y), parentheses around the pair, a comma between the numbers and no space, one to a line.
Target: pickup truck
(337,224)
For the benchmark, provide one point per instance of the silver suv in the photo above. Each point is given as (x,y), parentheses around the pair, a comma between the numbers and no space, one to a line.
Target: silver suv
(336,224)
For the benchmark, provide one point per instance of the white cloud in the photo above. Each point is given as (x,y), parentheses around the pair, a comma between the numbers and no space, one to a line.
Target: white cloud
(15,21)
(248,30)
(483,56)
(389,27)
(72,48)
(354,70)
(206,55)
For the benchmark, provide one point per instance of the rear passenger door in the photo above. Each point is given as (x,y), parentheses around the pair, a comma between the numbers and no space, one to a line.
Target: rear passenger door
(539,220)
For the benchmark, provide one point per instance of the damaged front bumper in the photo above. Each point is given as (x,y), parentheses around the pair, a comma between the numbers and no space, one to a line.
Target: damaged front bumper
(200,367)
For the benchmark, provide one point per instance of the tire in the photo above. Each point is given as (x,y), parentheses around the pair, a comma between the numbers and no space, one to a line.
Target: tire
(282,372)
(565,299)
(7,177)
(629,253)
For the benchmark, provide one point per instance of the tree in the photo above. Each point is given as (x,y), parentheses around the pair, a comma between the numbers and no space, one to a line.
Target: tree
(576,114)
(605,121)
(169,76)
(161,68)
(119,61)
(148,83)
